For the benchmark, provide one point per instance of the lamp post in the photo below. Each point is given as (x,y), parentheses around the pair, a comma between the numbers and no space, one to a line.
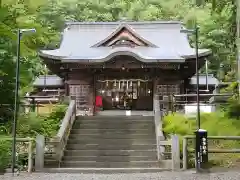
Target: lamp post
(200,134)
(195,32)
(20,32)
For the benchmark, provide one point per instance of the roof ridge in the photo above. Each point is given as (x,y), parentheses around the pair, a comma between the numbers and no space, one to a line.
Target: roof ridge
(118,29)
(122,22)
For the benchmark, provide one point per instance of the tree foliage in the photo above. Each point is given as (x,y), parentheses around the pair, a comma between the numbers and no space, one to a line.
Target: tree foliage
(215,18)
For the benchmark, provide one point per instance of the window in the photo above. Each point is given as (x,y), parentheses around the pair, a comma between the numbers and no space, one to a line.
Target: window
(124,42)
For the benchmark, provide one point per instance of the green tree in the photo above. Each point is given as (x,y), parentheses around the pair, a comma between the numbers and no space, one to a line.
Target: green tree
(215,18)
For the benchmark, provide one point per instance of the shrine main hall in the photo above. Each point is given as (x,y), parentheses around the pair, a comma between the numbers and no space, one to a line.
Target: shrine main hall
(125,63)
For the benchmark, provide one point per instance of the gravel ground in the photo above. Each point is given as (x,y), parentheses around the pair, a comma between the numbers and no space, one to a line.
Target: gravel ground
(189,175)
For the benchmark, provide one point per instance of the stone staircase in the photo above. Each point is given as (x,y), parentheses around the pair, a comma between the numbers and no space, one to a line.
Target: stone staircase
(111,142)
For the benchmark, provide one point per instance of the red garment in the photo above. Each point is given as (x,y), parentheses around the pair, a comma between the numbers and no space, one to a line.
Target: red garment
(98,101)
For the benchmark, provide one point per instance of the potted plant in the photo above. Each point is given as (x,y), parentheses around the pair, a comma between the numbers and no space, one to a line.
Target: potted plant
(5,155)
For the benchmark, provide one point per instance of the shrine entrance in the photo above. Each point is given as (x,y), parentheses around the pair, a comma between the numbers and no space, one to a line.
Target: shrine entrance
(125,94)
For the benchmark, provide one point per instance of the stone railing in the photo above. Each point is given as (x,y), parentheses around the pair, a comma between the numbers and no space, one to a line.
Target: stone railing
(59,142)
(165,147)
(172,148)
(158,128)
(216,145)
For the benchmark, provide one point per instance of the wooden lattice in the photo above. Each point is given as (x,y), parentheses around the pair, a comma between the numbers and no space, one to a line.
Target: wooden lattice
(81,94)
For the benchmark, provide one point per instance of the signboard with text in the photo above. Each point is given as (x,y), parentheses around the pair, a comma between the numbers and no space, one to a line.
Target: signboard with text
(201,148)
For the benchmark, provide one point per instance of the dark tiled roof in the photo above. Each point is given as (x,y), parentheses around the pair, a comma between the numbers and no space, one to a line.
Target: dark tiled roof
(51,81)
(202,80)
(79,38)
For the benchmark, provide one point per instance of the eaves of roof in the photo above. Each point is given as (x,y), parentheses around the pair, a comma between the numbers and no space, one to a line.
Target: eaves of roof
(80,37)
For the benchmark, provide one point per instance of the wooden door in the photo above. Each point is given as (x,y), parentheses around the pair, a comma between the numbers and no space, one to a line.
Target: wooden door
(81,94)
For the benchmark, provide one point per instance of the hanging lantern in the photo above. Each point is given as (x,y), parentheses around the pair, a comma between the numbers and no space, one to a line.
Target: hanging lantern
(130,84)
(107,83)
(123,84)
(115,83)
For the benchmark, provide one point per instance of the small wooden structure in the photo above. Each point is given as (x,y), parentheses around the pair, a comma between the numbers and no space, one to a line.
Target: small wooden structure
(48,90)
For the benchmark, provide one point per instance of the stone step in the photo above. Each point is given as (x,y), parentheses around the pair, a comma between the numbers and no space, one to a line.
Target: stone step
(110,158)
(93,164)
(105,146)
(127,122)
(104,170)
(165,164)
(51,163)
(78,125)
(111,136)
(119,131)
(114,117)
(113,141)
(149,152)
(116,121)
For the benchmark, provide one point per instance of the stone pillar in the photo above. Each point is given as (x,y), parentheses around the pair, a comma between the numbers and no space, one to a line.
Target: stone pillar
(175,152)
(40,148)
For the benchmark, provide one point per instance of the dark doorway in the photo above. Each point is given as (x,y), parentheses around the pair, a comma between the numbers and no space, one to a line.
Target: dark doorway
(130,94)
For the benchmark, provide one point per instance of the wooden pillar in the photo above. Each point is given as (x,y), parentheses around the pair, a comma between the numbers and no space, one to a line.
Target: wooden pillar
(94,93)
(66,86)
(155,83)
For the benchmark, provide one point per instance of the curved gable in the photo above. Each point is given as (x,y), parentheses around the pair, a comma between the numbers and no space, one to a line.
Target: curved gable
(124,33)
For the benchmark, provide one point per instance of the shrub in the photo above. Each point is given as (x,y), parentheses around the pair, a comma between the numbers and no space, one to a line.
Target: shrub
(216,124)
(5,155)
(233,109)
(29,125)
(52,122)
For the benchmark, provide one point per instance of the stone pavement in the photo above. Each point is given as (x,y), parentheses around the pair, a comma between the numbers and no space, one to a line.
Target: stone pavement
(187,175)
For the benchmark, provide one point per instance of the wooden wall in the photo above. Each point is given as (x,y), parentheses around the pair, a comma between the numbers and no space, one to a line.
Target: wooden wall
(80,86)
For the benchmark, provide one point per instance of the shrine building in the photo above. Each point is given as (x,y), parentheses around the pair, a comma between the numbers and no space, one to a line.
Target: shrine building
(125,63)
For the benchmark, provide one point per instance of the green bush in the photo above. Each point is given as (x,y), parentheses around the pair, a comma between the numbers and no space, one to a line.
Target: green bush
(5,155)
(52,122)
(31,124)
(216,124)
(233,109)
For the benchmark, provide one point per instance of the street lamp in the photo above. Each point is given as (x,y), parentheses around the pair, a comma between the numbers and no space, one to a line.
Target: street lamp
(199,133)
(195,32)
(20,32)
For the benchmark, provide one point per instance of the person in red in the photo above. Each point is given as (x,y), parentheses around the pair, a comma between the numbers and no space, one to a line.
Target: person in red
(98,103)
